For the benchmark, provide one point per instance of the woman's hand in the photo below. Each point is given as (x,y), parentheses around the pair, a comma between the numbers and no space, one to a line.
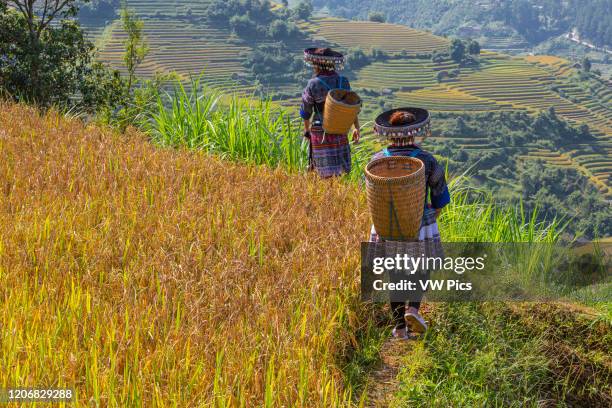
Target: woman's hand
(356,135)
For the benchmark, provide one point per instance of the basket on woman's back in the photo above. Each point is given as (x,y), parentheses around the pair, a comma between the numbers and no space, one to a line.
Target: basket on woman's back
(396,195)
(342,107)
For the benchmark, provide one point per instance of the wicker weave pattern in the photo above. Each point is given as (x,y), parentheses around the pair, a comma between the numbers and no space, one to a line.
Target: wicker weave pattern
(338,116)
(395,189)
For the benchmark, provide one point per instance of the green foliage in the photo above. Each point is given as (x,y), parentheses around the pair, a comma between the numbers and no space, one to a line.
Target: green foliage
(594,20)
(275,63)
(476,356)
(244,26)
(304,10)
(377,17)
(245,131)
(47,62)
(357,58)
(135,44)
(554,191)
(282,30)
(457,50)
(586,64)
(221,11)
(565,191)
(99,9)
(473,47)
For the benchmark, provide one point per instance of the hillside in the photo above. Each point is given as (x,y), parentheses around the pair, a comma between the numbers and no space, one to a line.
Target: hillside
(504,25)
(182,40)
(146,276)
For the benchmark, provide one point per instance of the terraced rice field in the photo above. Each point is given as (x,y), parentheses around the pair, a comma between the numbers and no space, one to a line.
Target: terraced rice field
(401,74)
(444,98)
(168,8)
(365,34)
(185,49)
(501,82)
(558,66)
(516,83)
(505,44)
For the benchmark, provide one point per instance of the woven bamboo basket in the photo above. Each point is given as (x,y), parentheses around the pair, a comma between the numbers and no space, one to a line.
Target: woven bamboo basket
(395,189)
(341,110)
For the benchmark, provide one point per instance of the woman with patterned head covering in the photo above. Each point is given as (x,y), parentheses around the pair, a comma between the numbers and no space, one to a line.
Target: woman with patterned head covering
(330,154)
(400,127)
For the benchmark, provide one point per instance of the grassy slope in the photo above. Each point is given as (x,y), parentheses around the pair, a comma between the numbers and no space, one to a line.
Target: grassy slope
(147,276)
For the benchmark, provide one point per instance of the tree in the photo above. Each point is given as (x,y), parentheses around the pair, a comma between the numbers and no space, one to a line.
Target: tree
(457,50)
(377,17)
(244,26)
(586,64)
(304,10)
(45,58)
(473,47)
(30,32)
(279,29)
(136,47)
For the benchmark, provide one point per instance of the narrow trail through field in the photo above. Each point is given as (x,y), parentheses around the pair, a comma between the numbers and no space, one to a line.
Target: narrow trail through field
(383,383)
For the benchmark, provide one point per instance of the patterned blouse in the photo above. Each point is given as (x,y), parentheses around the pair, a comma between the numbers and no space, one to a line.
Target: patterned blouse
(313,97)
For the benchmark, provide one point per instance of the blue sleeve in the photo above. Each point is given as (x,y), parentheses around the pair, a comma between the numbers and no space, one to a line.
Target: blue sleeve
(441,200)
(438,189)
(305,115)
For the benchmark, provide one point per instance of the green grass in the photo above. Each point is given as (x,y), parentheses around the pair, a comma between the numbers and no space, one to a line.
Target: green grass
(474,356)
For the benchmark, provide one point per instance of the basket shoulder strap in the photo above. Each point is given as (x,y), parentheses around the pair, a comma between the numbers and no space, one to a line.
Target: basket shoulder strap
(413,153)
(342,83)
(325,84)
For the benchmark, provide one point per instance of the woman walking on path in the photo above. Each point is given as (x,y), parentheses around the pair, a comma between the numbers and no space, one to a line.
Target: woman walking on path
(402,128)
(329,154)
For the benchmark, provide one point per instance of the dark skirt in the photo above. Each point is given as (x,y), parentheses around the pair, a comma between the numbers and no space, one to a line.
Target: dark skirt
(330,155)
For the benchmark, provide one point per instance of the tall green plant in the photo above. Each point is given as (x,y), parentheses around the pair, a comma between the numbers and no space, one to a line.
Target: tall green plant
(232,127)
(136,47)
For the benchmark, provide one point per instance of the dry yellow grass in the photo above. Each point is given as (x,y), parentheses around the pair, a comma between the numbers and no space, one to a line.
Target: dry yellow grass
(157,277)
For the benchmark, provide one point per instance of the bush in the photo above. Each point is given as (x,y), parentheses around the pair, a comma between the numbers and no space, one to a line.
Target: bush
(457,50)
(304,10)
(243,26)
(377,17)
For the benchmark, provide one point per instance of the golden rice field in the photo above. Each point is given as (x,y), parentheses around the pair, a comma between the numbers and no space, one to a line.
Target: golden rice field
(392,38)
(559,66)
(157,277)
(143,276)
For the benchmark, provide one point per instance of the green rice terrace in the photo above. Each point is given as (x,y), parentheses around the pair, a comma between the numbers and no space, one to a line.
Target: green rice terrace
(181,40)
